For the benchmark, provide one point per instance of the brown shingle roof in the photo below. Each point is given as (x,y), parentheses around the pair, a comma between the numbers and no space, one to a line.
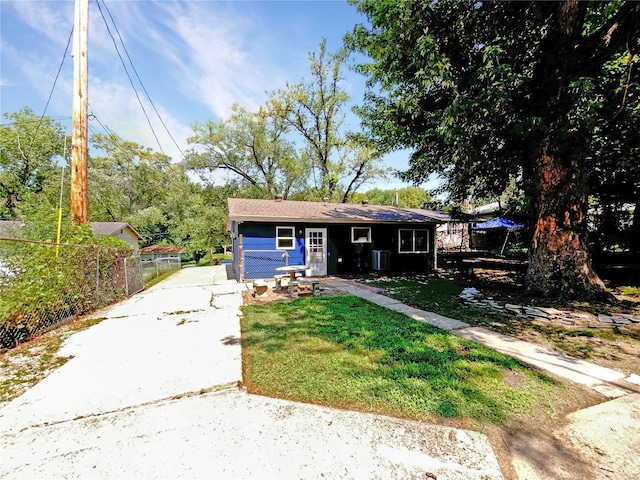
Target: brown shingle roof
(111,228)
(245,209)
(161,249)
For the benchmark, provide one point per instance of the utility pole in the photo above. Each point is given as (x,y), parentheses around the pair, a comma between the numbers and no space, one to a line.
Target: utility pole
(79,149)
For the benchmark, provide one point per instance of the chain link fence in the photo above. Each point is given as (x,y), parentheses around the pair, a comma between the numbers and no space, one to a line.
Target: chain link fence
(154,268)
(43,285)
(261,263)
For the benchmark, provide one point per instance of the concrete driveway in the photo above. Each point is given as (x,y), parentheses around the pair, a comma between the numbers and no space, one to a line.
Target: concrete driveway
(152,392)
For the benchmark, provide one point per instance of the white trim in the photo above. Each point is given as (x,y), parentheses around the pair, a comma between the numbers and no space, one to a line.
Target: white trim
(316,269)
(283,237)
(413,240)
(354,240)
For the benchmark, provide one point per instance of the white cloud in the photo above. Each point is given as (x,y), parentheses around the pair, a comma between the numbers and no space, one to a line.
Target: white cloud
(210,55)
(116,107)
(53,20)
(193,57)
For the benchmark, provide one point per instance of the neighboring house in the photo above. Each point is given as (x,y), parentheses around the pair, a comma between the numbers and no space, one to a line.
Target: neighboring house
(329,238)
(122,230)
(457,233)
(153,252)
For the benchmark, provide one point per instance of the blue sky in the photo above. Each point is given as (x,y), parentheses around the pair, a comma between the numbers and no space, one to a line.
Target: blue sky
(195,59)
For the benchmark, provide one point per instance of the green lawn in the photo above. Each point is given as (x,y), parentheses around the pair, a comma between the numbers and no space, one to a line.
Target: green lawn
(433,295)
(347,352)
(441,296)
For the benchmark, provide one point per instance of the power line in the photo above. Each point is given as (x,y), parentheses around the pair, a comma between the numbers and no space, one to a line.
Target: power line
(130,79)
(139,79)
(55,81)
(34,121)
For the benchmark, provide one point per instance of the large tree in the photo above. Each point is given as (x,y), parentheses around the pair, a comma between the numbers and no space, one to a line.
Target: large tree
(29,146)
(487,91)
(342,162)
(254,147)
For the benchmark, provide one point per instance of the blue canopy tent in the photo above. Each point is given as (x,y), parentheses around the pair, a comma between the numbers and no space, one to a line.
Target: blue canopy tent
(497,224)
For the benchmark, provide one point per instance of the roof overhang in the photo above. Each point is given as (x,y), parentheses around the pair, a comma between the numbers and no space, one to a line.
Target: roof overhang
(271,219)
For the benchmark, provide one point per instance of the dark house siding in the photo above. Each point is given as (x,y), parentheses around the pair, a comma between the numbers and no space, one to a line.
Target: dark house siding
(343,257)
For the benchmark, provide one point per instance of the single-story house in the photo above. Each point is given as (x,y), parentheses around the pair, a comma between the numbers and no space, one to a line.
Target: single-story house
(153,252)
(122,230)
(329,238)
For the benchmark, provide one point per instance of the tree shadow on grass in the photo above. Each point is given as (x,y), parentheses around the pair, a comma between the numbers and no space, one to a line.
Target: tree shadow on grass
(386,359)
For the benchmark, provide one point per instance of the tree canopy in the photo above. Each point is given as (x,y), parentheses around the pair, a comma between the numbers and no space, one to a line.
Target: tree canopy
(29,147)
(484,92)
(295,145)
(254,147)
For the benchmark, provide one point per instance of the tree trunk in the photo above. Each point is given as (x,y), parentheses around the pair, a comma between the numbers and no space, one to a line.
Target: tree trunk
(555,169)
(559,261)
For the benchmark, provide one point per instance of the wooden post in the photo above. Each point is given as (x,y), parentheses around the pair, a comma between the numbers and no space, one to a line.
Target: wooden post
(79,123)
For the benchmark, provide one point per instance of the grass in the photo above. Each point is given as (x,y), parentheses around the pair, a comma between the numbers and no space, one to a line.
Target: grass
(155,280)
(433,295)
(215,259)
(28,363)
(441,296)
(347,352)
(630,290)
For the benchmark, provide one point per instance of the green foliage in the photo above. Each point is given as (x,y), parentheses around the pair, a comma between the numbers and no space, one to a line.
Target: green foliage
(47,283)
(457,82)
(341,162)
(254,147)
(28,150)
(349,353)
(408,197)
(488,92)
(127,179)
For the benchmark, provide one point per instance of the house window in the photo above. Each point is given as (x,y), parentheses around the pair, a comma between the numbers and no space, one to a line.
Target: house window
(413,241)
(285,238)
(360,234)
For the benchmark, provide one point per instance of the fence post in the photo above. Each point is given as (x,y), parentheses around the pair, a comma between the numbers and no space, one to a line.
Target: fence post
(241,257)
(126,277)
(97,270)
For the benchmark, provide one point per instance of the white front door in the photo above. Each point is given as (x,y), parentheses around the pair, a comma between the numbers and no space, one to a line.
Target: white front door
(316,251)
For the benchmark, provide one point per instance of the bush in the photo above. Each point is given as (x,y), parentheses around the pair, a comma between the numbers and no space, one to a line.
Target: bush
(44,283)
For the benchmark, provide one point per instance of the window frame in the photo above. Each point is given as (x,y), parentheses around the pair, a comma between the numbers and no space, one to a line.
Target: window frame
(353,229)
(413,240)
(280,237)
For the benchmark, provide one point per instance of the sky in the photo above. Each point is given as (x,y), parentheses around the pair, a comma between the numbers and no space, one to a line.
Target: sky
(195,59)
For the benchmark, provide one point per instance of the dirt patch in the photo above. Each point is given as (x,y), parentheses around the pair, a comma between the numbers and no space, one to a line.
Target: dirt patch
(282,294)
(611,346)
(28,363)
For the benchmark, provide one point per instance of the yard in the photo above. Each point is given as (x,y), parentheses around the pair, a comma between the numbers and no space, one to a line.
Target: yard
(616,347)
(345,352)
